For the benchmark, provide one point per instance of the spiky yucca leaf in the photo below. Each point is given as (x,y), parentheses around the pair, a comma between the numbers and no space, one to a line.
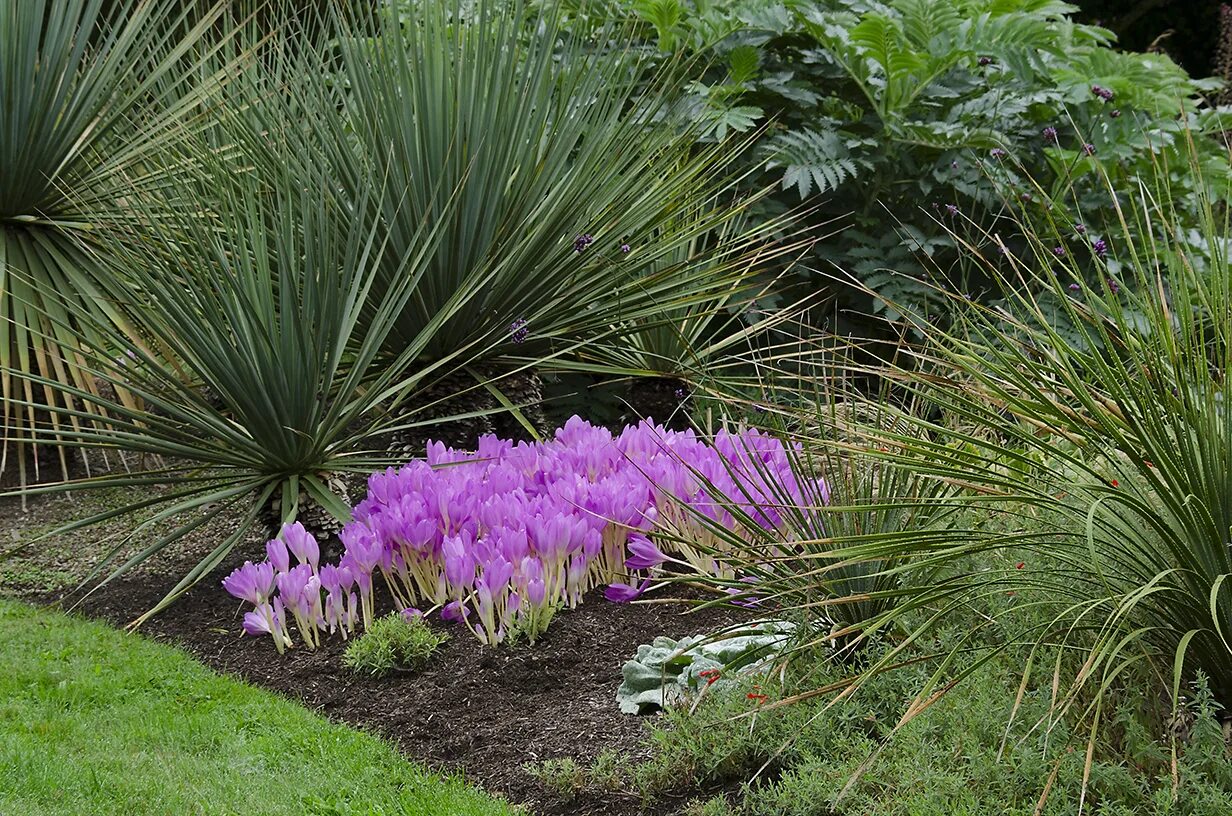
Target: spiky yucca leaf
(91,96)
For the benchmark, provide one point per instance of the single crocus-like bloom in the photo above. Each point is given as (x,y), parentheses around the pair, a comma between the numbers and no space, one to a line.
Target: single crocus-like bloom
(1050,135)
(276,551)
(643,554)
(251,582)
(301,543)
(623,593)
(411,614)
(454,611)
(260,621)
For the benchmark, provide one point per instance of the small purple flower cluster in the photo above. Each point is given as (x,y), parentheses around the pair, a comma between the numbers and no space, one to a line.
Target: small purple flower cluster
(580,242)
(518,332)
(299,590)
(1102,93)
(1049,134)
(502,538)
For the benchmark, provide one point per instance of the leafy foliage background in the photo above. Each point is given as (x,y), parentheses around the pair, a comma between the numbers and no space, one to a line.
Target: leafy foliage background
(920,124)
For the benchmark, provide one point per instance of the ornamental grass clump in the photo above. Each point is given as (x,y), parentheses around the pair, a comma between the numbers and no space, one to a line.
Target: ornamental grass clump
(1086,431)
(502,538)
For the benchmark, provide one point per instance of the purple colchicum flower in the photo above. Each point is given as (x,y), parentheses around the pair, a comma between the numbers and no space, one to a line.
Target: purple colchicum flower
(518,332)
(582,241)
(1049,135)
(1102,93)
(251,582)
(301,544)
(276,553)
(643,554)
(623,593)
(501,538)
(1100,246)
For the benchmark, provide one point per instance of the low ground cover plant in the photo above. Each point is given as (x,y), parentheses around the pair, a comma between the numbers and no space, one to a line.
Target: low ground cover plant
(396,641)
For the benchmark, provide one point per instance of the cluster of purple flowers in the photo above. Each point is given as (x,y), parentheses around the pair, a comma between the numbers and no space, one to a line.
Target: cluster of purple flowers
(580,242)
(518,331)
(503,537)
(299,591)
(1102,93)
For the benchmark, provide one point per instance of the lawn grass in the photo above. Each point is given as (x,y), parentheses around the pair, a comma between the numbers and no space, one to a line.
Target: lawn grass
(96,721)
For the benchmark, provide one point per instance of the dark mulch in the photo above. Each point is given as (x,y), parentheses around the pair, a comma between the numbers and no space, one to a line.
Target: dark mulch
(479,711)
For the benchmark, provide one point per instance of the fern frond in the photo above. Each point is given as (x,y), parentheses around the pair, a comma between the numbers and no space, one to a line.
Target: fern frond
(812,161)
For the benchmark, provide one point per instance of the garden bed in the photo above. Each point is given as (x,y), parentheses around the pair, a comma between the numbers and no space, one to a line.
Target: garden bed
(477,710)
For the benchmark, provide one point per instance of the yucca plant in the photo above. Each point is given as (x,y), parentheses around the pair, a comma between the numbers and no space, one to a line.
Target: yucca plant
(91,97)
(272,369)
(579,189)
(845,491)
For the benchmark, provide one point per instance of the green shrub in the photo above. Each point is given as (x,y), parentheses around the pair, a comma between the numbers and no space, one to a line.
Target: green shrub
(564,777)
(885,114)
(803,759)
(393,642)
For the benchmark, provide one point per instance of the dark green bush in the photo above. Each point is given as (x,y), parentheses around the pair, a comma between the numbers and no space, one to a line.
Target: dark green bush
(910,118)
